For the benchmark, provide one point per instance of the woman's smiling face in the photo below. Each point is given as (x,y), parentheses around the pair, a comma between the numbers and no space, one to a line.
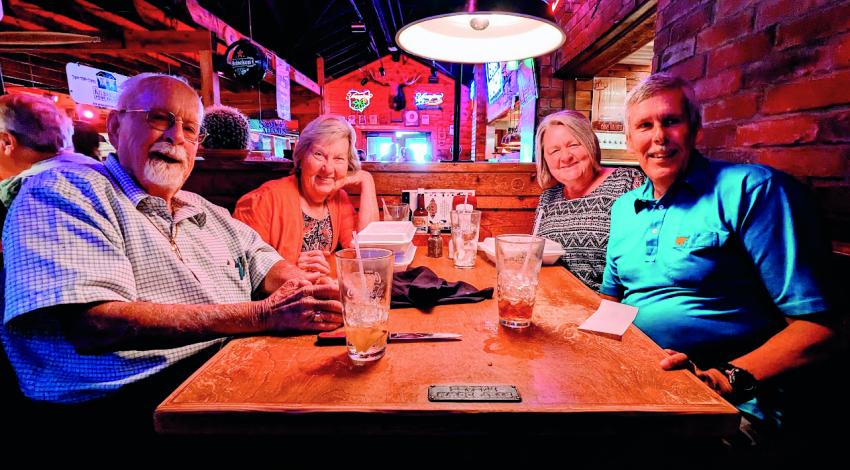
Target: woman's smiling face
(323,168)
(568,160)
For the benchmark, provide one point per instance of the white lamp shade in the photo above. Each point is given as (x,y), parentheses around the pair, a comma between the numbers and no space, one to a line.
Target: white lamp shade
(480,37)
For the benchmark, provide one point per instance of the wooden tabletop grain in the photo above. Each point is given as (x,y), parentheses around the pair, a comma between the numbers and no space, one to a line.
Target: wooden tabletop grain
(571,382)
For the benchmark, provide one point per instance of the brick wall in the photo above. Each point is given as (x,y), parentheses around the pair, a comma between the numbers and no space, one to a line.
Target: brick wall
(773,77)
(585,22)
(384,118)
(552,90)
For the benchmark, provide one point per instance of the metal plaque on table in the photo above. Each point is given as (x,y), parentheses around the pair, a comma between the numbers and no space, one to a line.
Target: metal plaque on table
(478,393)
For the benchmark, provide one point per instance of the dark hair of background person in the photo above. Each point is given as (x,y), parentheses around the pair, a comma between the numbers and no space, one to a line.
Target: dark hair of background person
(86,140)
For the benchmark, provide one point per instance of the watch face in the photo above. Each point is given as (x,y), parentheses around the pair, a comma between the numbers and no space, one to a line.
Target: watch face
(743,383)
(731,375)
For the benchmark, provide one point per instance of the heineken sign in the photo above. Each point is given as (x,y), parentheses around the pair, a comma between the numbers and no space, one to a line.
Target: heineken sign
(247,62)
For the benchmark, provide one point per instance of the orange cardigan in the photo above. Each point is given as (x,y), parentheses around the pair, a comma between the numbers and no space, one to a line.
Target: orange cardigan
(274,211)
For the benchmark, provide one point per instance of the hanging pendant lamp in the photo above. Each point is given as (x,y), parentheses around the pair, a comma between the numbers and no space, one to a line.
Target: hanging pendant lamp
(474,36)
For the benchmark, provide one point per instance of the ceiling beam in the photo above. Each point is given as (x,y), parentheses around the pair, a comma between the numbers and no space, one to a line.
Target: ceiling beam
(154,17)
(118,63)
(157,19)
(132,41)
(59,22)
(119,23)
(21,24)
(39,15)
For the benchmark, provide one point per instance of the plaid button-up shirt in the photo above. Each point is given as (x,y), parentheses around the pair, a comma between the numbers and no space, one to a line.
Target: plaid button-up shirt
(77,235)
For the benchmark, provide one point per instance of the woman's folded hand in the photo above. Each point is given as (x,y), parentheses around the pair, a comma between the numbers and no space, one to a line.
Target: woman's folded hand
(314,261)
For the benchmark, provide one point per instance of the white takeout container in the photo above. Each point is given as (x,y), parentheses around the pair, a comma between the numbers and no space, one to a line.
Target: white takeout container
(395,236)
(403,260)
(552,250)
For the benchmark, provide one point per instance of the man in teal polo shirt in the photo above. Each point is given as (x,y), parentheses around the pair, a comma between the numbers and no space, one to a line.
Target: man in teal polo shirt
(721,259)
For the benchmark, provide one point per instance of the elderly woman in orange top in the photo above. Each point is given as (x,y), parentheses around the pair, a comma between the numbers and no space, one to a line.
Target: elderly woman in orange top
(307,215)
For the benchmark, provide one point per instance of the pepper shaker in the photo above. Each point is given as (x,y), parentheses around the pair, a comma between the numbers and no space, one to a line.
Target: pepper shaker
(435,242)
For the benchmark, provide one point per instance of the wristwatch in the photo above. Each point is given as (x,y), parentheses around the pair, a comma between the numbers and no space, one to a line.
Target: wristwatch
(744,385)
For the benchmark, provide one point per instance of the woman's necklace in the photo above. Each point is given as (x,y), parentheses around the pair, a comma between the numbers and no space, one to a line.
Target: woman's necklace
(310,210)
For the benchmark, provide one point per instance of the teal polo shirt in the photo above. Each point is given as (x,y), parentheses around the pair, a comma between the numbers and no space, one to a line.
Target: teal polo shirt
(716,264)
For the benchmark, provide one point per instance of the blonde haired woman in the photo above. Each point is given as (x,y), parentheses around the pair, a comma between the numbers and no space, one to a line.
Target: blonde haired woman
(307,215)
(575,207)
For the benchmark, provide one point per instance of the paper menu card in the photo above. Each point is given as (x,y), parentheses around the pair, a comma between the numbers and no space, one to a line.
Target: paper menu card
(610,319)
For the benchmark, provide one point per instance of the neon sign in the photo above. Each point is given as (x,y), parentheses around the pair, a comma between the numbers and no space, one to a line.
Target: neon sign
(358,100)
(424,99)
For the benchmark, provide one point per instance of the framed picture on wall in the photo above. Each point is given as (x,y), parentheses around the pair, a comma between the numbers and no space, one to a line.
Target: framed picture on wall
(373,119)
(361,119)
(425,120)
(352,119)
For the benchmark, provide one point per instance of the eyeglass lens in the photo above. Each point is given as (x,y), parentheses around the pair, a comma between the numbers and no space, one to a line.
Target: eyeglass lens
(164,120)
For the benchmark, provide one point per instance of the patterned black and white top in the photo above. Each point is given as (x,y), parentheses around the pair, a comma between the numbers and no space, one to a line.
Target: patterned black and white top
(581,225)
(318,234)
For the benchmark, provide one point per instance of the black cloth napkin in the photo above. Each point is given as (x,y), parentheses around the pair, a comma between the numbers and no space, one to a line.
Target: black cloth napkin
(419,287)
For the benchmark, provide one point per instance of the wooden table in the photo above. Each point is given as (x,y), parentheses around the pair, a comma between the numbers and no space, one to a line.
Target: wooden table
(571,382)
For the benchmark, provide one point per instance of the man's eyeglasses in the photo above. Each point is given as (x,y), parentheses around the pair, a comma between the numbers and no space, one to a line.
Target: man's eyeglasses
(162,120)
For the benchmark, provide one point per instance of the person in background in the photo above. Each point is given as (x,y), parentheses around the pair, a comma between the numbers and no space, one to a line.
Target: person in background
(34,135)
(308,215)
(87,140)
(116,279)
(725,263)
(575,207)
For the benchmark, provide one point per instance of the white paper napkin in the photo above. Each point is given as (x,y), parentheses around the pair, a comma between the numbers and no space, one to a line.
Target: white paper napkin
(610,319)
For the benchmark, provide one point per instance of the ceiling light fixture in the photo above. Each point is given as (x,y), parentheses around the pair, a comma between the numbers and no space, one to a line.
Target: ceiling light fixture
(473,36)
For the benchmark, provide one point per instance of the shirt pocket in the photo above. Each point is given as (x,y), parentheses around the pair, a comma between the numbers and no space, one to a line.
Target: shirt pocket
(695,258)
(226,270)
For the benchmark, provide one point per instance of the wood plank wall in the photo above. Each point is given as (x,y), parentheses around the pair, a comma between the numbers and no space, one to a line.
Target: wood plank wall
(507,192)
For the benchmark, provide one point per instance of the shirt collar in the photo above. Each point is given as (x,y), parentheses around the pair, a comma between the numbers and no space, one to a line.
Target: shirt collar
(697,173)
(185,203)
(695,179)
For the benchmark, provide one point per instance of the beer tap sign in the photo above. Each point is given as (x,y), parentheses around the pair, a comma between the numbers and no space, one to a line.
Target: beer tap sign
(426,100)
(247,62)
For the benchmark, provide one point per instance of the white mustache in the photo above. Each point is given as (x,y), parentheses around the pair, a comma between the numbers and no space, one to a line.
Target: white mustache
(170,150)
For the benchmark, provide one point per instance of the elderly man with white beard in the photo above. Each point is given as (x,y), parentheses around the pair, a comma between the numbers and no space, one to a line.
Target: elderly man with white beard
(115,276)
